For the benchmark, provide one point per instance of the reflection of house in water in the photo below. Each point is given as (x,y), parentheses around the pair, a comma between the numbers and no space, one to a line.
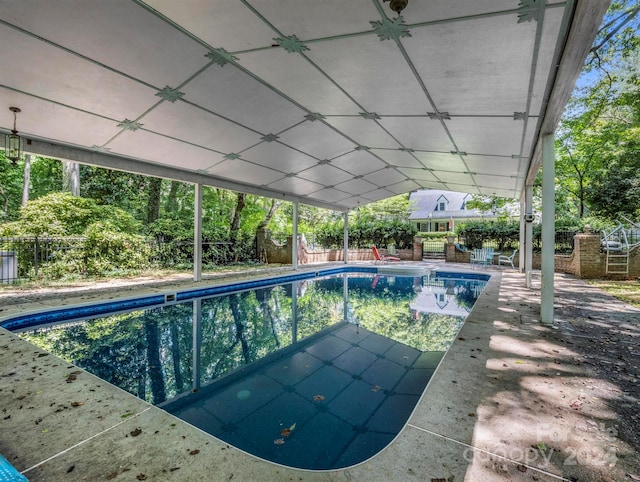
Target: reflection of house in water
(446,296)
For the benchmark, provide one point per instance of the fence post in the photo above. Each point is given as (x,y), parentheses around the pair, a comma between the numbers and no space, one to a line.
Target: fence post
(35,256)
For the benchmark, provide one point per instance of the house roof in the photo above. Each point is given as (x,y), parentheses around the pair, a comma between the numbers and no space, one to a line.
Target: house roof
(331,103)
(424,202)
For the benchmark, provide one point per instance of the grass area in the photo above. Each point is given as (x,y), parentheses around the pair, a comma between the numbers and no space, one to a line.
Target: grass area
(627,291)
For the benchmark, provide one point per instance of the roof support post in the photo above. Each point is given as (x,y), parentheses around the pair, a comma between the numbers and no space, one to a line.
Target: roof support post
(346,237)
(294,238)
(548,227)
(197,233)
(528,234)
(523,210)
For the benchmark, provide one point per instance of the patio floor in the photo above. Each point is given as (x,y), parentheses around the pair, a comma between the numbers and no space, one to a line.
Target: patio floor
(512,400)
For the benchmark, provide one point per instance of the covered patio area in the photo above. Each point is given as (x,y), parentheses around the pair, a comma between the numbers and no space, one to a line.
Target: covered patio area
(512,400)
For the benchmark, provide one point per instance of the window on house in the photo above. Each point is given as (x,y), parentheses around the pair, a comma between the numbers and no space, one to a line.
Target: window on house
(441,206)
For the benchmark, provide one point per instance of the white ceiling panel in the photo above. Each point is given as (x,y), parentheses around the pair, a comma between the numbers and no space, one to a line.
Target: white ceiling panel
(397,157)
(392,90)
(163,150)
(404,186)
(123,25)
(550,30)
(330,194)
(49,72)
(197,126)
(301,80)
(217,23)
(309,19)
(471,82)
(417,174)
(296,184)
(478,135)
(452,9)
(366,132)
(378,194)
(418,133)
(356,186)
(440,161)
(245,172)
(495,182)
(358,163)
(469,188)
(504,166)
(242,94)
(229,92)
(317,139)
(63,124)
(385,177)
(452,176)
(274,154)
(325,174)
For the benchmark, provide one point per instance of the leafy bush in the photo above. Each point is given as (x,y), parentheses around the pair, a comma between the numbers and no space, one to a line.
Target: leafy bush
(506,234)
(366,232)
(62,214)
(106,250)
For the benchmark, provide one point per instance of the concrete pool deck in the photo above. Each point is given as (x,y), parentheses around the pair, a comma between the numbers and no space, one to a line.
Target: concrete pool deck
(512,400)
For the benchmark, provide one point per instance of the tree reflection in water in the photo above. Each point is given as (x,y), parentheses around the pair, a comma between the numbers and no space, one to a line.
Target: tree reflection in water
(150,353)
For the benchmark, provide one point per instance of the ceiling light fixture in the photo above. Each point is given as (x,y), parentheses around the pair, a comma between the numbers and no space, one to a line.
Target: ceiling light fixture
(13,142)
(397,5)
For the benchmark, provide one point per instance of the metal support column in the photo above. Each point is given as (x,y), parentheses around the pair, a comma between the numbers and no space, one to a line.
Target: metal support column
(548,228)
(346,237)
(197,233)
(294,238)
(528,234)
(523,242)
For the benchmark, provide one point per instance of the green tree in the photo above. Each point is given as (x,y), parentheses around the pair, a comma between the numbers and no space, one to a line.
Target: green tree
(595,148)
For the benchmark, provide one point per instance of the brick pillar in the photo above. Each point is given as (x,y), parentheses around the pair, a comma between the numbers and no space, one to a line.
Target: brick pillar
(450,252)
(590,262)
(262,235)
(417,248)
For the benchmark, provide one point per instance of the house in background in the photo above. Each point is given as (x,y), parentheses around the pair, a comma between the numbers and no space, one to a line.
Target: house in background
(433,210)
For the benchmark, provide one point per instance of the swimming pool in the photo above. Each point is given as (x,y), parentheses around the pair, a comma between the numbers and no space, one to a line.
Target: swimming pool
(315,373)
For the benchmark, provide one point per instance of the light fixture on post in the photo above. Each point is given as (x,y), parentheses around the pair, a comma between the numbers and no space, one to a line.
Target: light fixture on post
(13,142)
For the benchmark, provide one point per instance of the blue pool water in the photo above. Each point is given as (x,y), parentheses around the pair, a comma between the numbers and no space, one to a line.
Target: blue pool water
(319,372)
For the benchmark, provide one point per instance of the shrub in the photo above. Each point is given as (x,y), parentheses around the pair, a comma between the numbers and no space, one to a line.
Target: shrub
(366,232)
(107,250)
(62,214)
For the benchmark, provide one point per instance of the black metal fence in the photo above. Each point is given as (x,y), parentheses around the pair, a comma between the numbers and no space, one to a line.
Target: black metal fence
(23,258)
(564,243)
(434,248)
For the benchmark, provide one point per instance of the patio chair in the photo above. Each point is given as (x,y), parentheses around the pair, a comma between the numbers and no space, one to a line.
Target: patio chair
(507,259)
(480,256)
(382,258)
(490,252)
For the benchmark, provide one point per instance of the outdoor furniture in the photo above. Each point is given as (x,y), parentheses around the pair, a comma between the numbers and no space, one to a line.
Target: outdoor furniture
(382,258)
(507,259)
(482,256)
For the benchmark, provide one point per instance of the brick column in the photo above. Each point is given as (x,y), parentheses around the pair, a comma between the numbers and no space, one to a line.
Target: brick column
(417,248)
(590,262)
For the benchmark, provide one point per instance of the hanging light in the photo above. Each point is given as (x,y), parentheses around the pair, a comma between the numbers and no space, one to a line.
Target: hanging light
(13,142)
(397,5)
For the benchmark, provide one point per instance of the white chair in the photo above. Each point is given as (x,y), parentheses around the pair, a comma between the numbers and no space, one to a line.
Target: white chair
(507,259)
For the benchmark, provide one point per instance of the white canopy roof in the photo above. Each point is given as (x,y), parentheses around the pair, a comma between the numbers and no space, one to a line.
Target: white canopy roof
(331,103)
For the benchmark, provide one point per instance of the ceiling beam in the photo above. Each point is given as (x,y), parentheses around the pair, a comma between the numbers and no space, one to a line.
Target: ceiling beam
(136,166)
